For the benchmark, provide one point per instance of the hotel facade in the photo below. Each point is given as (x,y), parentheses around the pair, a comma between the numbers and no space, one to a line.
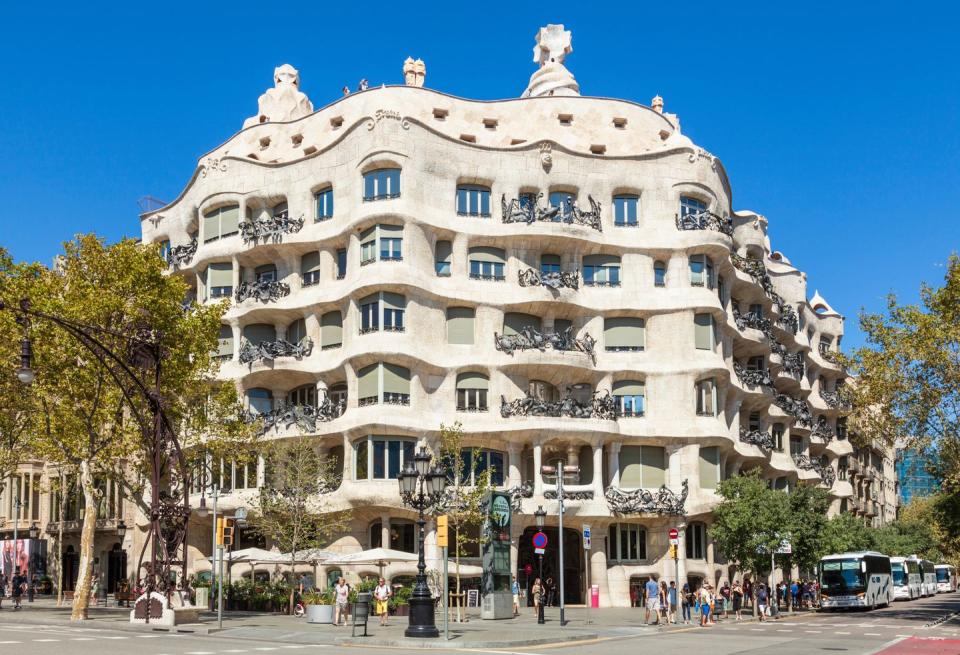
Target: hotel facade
(565,276)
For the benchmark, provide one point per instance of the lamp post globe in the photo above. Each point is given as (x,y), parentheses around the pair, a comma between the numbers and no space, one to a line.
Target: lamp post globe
(540,515)
(121,529)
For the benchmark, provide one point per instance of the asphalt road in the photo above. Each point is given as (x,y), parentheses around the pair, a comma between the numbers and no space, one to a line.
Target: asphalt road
(933,623)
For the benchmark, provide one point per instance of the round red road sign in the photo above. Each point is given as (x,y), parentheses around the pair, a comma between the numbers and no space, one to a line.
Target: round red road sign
(674,533)
(539,540)
(528,569)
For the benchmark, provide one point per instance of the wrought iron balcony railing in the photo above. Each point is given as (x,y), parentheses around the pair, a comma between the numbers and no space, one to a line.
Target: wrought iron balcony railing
(763,440)
(806,463)
(796,408)
(833,399)
(828,355)
(262,290)
(793,363)
(602,407)
(305,417)
(532,339)
(381,196)
(586,494)
(518,211)
(517,493)
(553,280)
(822,430)
(488,277)
(789,320)
(753,377)
(270,350)
(752,320)
(269,227)
(705,220)
(660,501)
(181,255)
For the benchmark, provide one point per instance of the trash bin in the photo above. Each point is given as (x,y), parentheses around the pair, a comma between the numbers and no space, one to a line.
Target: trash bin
(361,612)
(595,595)
(203,597)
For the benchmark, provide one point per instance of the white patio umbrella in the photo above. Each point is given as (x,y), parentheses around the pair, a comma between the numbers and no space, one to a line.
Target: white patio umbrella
(379,557)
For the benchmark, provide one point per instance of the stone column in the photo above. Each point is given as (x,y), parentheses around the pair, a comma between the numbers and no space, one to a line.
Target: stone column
(537,463)
(598,574)
(614,464)
(385,530)
(597,481)
(514,475)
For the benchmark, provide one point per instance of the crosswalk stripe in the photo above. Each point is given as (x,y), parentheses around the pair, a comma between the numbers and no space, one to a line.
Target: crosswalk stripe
(46,640)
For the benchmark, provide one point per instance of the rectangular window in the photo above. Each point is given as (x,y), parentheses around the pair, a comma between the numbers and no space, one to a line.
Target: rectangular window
(387,457)
(601,271)
(324,201)
(487,263)
(475,462)
(341,263)
(471,400)
(690,206)
(704,333)
(706,398)
(310,268)
(549,264)
(369,315)
(702,272)
(659,274)
(473,200)
(361,469)
(709,467)
(381,184)
(331,330)
(368,252)
(563,201)
(625,210)
(394,306)
(443,256)
(623,334)
(630,397)
(642,467)
(778,437)
(391,250)
(220,279)
(460,325)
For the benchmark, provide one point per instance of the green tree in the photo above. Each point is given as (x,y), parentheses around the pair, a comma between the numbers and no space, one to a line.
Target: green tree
(750,522)
(808,506)
(88,425)
(846,533)
(291,513)
(908,384)
(915,532)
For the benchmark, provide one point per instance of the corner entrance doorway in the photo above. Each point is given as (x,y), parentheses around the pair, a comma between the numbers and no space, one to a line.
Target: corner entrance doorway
(572,570)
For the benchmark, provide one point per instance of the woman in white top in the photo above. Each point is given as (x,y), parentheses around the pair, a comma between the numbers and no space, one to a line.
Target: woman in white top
(381,596)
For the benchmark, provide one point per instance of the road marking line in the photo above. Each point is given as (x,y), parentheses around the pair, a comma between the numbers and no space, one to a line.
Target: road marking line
(45,640)
(872,634)
(9,642)
(814,631)
(107,637)
(784,630)
(199,652)
(148,636)
(82,639)
(266,648)
(757,629)
(841,633)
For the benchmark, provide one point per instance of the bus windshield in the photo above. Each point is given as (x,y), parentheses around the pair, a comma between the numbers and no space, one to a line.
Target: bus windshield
(899,576)
(943,575)
(841,576)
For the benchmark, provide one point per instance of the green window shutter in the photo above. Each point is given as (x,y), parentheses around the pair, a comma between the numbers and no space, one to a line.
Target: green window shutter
(631,467)
(310,262)
(472,381)
(396,379)
(229,219)
(331,329)
(296,330)
(368,381)
(623,332)
(444,252)
(709,467)
(368,234)
(654,464)
(513,323)
(259,332)
(601,260)
(488,254)
(629,388)
(393,230)
(460,325)
(394,300)
(550,260)
(226,341)
(703,331)
(220,274)
(211,224)
(373,297)
(561,324)
(266,268)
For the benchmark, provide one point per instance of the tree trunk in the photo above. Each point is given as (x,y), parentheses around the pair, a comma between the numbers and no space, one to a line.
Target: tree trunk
(81,595)
(62,511)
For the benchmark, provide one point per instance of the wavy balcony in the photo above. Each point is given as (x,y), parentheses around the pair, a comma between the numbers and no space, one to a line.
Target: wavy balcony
(271,350)
(796,408)
(530,338)
(753,377)
(179,256)
(530,210)
(262,290)
(760,439)
(602,407)
(661,502)
(305,417)
(554,280)
(833,399)
(705,220)
(269,228)
(806,463)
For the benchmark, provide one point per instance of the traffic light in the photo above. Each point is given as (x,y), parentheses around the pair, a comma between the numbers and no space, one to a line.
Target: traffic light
(673,552)
(442,531)
(228,528)
(220,531)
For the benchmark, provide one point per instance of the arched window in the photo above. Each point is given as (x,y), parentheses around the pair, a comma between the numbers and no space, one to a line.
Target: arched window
(625,210)
(304,395)
(324,202)
(659,274)
(221,222)
(297,331)
(696,540)
(381,184)
(259,401)
(473,200)
(691,206)
(628,542)
(630,396)
(472,392)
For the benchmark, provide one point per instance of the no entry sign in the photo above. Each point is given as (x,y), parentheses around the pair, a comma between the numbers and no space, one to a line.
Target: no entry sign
(674,537)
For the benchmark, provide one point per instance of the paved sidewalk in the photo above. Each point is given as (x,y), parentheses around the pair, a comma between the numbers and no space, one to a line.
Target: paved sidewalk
(582,625)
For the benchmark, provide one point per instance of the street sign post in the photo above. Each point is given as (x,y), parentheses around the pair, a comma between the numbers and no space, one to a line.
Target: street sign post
(586,537)
(674,535)
(539,543)
(586,546)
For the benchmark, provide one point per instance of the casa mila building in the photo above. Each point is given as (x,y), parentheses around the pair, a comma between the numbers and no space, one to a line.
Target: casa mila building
(563,275)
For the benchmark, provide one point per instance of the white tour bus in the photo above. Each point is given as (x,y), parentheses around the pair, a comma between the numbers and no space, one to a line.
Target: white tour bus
(855,580)
(946,578)
(928,575)
(907,581)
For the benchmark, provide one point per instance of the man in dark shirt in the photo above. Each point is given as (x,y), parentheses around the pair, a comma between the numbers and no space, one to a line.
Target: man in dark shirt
(16,588)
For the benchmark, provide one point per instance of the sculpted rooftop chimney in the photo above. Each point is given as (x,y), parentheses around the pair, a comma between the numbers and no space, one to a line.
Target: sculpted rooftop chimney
(552,79)
(284,102)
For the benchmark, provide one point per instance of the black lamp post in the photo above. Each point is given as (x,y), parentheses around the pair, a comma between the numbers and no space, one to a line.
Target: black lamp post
(34,533)
(421,487)
(540,515)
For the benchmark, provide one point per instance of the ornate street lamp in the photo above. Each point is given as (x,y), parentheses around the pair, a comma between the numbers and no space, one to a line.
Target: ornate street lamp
(121,529)
(421,487)
(34,533)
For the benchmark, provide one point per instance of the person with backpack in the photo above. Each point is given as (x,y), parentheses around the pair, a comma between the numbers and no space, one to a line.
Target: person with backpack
(17,586)
(762,600)
(686,602)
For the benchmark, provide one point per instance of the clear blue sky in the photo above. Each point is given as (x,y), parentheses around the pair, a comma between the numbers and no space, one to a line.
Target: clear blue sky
(838,121)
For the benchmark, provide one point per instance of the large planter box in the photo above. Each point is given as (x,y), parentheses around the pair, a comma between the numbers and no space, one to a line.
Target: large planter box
(319,613)
(203,597)
(401,610)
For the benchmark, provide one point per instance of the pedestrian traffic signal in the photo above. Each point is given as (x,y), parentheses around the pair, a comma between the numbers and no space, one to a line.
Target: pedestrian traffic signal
(220,531)
(673,552)
(228,528)
(442,531)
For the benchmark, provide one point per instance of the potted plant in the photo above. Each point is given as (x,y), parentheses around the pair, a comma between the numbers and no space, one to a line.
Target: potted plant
(399,604)
(319,606)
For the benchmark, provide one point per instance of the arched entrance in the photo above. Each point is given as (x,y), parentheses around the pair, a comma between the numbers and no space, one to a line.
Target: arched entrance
(70,567)
(116,568)
(573,564)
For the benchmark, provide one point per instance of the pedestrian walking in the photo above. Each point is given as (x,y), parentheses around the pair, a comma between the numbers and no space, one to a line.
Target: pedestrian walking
(672,599)
(762,600)
(652,604)
(537,592)
(748,593)
(686,600)
(341,595)
(515,592)
(737,593)
(706,599)
(17,585)
(663,598)
(725,593)
(381,597)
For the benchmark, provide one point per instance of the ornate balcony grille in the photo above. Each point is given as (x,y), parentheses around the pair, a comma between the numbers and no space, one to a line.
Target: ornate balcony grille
(555,280)
(305,417)
(706,220)
(269,228)
(602,407)
(833,399)
(262,290)
(270,350)
(829,355)
(570,213)
(551,494)
(752,320)
(532,339)
(796,408)
(518,493)
(762,440)
(793,363)
(181,255)
(663,501)
(753,377)
(822,430)
(806,463)
(788,320)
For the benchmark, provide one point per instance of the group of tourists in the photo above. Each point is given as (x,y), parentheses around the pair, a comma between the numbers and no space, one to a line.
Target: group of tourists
(17,586)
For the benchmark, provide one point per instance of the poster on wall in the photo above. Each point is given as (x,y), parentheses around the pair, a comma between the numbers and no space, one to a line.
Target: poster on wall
(21,556)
